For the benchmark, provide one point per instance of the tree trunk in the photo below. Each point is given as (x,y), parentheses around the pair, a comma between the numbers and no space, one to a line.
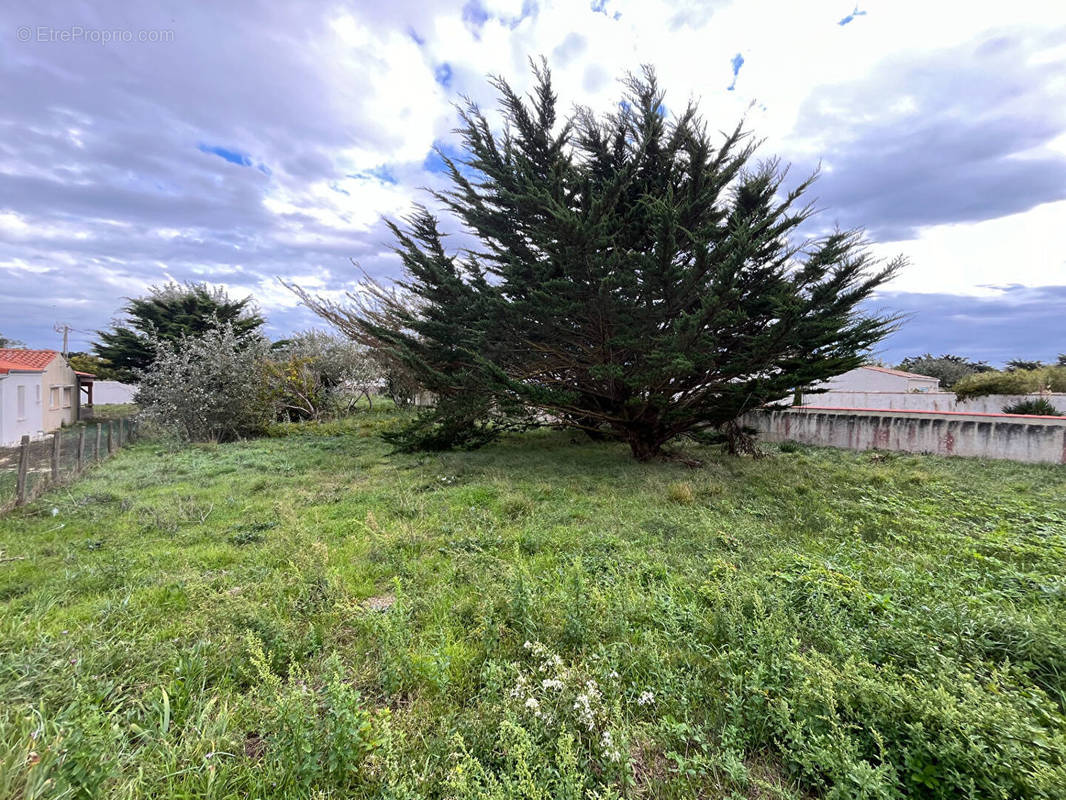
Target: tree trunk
(645,447)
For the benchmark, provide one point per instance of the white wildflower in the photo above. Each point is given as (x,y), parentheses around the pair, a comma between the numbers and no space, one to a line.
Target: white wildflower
(646,698)
(610,752)
(583,707)
(520,687)
(551,683)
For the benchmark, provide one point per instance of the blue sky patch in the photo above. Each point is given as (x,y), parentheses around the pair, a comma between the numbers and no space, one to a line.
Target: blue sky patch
(475,15)
(443,75)
(419,40)
(737,62)
(851,17)
(381,173)
(232,156)
(600,7)
(434,163)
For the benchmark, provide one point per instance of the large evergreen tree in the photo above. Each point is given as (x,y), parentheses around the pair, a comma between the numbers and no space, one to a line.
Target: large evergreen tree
(167,313)
(628,275)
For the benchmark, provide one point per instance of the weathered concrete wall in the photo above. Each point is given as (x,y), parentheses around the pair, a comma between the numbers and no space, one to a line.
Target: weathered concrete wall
(1015,438)
(927,401)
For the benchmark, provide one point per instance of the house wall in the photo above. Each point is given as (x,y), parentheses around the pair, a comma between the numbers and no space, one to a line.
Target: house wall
(927,401)
(60,376)
(1015,438)
(12,429)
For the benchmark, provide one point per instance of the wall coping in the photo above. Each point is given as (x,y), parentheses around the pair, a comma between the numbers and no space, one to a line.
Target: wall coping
(908,412)
(813,393)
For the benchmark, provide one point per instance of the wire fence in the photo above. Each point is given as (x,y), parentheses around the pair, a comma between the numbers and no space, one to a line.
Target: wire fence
(31,467)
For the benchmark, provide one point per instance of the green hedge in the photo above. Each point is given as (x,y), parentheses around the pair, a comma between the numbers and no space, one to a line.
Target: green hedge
(1017,382)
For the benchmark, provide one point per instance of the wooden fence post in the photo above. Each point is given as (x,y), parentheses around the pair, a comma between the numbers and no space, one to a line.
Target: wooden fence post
(110,436)
(99,433)
(81,449)
(56,443)
(24,464)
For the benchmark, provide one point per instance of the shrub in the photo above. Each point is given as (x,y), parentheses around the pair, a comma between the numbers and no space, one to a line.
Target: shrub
(315,375)
(1037,405)
(1014,382)
(207,388)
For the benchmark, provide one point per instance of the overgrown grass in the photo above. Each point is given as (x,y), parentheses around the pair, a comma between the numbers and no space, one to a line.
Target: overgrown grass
(108,411)
(307,615)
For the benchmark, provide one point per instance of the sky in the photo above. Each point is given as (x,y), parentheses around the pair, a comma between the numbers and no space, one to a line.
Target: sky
(242,142)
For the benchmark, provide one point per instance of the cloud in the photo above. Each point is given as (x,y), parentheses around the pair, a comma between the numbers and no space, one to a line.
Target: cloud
(980,328)
(265,139)
(954,136)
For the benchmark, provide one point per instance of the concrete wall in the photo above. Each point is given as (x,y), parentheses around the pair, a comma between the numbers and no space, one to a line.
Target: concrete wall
(927,401)
(12,428)
(111,392)
(1015,438)
(64,411)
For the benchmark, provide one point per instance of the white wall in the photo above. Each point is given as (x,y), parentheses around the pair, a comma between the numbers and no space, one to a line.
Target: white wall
(12,429)
(867,380)
(926,401)
(863,379)
(110,392)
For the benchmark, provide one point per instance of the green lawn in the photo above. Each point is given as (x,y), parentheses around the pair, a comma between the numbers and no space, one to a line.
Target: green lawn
(309,616)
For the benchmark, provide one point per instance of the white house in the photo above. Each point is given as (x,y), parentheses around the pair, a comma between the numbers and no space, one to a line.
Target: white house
(869,378)
(39,392)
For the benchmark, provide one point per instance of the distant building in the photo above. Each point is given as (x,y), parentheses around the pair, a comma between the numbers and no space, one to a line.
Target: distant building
(881,379)
(39,392)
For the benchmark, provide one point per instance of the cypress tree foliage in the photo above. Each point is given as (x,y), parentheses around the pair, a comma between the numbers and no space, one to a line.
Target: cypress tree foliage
(631,276)
(168,313)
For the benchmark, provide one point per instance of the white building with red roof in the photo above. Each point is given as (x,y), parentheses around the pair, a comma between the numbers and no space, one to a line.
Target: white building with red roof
(39,392)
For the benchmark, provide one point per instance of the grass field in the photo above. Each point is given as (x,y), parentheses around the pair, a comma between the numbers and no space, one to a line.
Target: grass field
(309,616)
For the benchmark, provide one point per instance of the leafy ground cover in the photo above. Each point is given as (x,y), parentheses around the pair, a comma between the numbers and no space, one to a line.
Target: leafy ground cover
(309,616)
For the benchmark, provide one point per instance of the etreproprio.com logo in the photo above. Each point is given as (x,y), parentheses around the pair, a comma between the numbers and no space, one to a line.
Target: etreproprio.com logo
(77,33)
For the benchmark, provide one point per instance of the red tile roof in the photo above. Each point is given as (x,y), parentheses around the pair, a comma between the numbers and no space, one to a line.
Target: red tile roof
(25,360)
(899,372)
